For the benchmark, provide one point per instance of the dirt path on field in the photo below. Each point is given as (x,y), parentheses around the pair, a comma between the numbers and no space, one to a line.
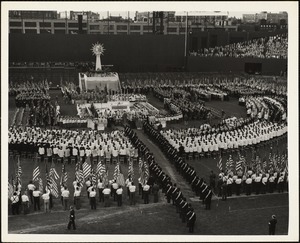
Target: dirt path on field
(166,165)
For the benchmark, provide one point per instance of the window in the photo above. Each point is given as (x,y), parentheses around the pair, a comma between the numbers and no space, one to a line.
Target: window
(59,32)
(59,25)
(94,27)
(146,27)
(135,33)
(15,31)
(30,24)
(13,24)
(45,31)
(73,25)
(135,27)
(111,27)
(181,30)
(30,31)
(121,27)
(170,29)
(45,24)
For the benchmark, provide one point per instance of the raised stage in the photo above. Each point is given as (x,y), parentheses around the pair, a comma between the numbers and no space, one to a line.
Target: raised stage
(106,80)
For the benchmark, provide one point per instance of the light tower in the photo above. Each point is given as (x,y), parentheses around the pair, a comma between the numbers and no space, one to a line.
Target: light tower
(98,50)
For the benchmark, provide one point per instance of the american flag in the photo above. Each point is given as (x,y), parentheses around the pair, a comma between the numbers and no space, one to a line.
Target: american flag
(93,177)
(36,172)
(79,173)
(10,190)
(51,180)
(19,172)
(120,178)
(116,171)
(52,172)
(105,178)
(64,175)
(286,168)
(130,169)
(229,163)
(140,166)
(265,165)
(86,169)
(238,165)
(100,170)
(40,184)
(144,173)
(220,164)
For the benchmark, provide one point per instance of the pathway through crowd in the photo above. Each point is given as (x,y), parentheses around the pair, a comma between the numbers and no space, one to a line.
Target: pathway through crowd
(161,159)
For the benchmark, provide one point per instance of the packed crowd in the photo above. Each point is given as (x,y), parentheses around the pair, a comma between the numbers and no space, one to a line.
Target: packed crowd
(127,97)
(162,84)
(267,47)
(247,178)
(31,97)
(191,110)
(28,86)
(267,108)
(72,93)
(63,143)
(42,114)
(211,139)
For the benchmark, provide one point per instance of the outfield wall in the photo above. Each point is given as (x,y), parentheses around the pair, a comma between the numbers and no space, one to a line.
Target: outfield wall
(128,53)
(225,64)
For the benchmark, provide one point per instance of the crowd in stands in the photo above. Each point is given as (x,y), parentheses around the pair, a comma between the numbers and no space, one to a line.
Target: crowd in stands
(80,65)
(266,47)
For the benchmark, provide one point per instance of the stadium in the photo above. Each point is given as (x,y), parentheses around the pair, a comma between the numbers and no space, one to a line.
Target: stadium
(155,123)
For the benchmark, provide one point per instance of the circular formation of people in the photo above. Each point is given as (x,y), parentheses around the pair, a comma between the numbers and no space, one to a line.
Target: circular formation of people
(185,95)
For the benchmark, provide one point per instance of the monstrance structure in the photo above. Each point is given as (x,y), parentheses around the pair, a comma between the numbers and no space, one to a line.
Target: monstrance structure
(98,50)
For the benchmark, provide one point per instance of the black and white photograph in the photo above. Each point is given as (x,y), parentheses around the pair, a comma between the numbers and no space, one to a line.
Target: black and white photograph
(149,121)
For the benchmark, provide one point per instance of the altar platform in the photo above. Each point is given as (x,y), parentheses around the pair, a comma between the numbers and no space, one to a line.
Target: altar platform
(92,80)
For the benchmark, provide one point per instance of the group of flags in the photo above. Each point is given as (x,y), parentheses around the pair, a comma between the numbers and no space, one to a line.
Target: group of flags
(82,172)
(276,162)
(118,175)
(51,178)
(144,171)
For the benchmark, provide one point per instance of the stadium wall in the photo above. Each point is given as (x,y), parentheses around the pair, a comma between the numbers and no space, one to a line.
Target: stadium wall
(128,53)
(229,64)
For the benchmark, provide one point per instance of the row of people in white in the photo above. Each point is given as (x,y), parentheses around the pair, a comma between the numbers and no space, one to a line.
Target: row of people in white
(64,143)
(251,134)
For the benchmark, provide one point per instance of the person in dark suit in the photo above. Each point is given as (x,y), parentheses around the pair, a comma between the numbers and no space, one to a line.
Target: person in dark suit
(272,225)
(224,191)
(72,218)
(191,220)
(207,199)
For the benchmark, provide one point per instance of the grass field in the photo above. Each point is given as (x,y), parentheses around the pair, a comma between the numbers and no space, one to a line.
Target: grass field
(244,215)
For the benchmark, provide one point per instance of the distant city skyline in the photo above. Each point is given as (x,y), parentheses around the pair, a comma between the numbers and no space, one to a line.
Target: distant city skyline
(124,14)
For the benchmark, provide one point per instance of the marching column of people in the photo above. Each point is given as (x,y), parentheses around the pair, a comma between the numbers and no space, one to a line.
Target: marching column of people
(198,185)
(159,179)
